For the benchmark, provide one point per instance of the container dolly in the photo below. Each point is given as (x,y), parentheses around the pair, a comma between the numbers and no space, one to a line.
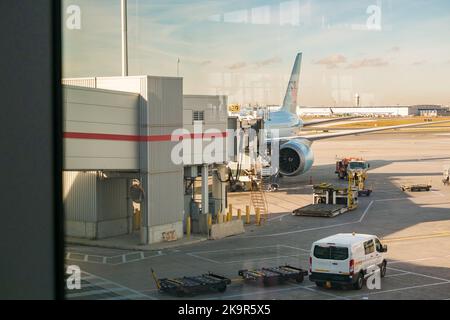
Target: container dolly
(416,187)
(191,285)
(274,275)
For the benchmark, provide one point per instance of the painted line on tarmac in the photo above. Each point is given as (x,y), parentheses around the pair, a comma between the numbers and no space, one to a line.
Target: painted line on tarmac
(123,258)
(419,259)
(129,297)
(316,228)
(300,231)
(267,258)
(397,274)
(438,193)
(94,292)
(282,198)
(246,248)
(392,199)
(420,274)
(198,256)
(325,293)
(365,211)
(400,289)
(135,292)
(418,237)
(306,250)
(294,287)
(280,217)
(203,258)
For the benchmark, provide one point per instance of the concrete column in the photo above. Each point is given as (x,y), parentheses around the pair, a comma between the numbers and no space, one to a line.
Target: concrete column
(130,210)
(205,195)
(145,212)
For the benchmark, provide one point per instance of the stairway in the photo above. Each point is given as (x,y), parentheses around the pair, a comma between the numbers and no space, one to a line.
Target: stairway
(258,198)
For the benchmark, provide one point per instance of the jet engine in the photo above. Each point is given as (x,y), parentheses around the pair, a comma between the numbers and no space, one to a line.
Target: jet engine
(296,157)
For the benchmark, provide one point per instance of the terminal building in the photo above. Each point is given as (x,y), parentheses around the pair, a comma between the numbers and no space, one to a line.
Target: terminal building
(118,130)
(416,110)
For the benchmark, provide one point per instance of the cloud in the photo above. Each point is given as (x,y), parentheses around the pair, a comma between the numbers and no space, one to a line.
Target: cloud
(418,63)
(363,63)
(205,63)
(332,61)
(394,49)
(267,62)
(237,66)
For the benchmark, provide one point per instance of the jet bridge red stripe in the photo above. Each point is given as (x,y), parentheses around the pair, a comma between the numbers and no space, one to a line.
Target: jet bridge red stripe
(139,138)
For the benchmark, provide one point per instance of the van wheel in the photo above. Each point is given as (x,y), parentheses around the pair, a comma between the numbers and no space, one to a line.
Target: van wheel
(359,282)
(320,284)
(383,269)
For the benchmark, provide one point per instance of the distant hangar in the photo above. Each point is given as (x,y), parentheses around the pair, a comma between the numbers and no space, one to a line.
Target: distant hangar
(416,110)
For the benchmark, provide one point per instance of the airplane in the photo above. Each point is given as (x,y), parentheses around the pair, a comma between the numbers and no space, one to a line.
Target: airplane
(296,156)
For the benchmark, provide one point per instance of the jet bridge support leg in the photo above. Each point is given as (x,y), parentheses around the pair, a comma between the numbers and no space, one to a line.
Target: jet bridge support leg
(205,192)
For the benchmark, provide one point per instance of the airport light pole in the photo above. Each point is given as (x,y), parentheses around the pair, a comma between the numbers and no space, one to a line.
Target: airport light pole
(124,38)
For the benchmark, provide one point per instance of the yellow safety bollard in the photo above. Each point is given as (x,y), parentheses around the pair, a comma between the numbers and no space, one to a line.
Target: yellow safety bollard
(239,214)
(247,214)
(258,217)
(230,216)
(188,227)
(209,221)
(224,217)
(137,219)
(230,208)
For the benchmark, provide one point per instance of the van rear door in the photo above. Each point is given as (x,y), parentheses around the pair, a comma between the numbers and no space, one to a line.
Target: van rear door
(330,258)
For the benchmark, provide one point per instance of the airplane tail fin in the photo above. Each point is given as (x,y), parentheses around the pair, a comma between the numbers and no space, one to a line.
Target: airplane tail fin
(290,98)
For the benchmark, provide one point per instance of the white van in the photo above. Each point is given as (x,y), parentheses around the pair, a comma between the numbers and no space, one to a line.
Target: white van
(346,259)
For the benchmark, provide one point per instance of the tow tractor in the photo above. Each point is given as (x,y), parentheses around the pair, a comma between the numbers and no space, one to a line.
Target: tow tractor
(350,163)
(356,170)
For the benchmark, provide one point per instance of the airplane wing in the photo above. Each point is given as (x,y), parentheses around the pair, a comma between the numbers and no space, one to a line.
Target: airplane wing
(316,122)
(315,137)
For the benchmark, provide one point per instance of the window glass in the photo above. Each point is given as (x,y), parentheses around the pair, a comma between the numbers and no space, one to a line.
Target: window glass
(369,247)
(331,253)
(378,245)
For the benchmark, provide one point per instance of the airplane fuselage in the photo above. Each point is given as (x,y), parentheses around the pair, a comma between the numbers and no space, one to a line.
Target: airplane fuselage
(285,122)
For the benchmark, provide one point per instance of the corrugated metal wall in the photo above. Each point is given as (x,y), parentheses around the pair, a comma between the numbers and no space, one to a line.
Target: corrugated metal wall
(112,199)
(165,181)
(80,195)
(166,200)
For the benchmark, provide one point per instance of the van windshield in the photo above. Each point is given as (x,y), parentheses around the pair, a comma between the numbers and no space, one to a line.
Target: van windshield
(331,252)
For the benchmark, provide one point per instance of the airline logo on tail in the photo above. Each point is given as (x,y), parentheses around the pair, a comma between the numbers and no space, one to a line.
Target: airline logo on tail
(290,98)
(294,90)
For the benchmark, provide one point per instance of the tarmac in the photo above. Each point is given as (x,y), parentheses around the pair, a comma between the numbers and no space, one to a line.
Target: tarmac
(414,225)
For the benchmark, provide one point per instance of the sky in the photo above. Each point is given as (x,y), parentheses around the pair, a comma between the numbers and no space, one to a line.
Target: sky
(388,52)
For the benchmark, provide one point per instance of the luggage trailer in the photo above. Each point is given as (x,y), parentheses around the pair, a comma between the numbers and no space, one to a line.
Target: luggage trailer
(275,275)
(192,285)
